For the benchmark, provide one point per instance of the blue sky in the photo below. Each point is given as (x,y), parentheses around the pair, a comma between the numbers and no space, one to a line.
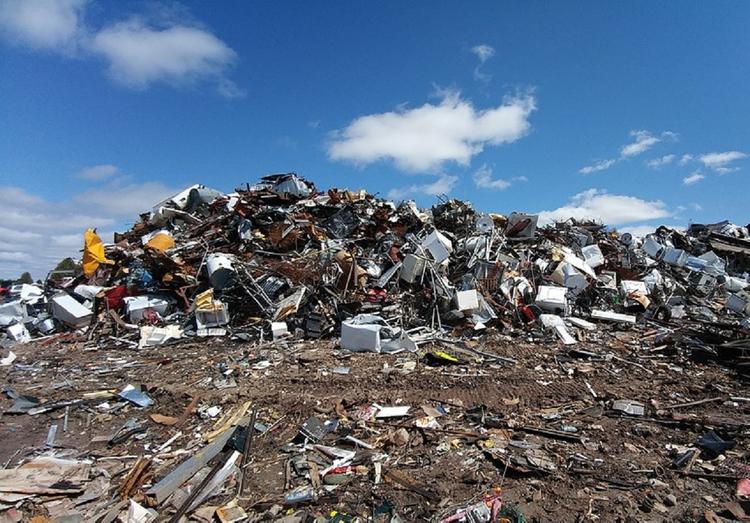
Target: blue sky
(635,113)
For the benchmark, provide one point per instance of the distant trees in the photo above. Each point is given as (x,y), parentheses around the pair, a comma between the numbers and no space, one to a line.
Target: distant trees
(66,268)
(25,278)
(68,264)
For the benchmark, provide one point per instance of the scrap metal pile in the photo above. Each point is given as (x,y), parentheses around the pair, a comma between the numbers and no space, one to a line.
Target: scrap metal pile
(280,259)
(283,354)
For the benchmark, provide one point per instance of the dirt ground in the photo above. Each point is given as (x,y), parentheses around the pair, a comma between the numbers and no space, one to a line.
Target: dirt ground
(612,467)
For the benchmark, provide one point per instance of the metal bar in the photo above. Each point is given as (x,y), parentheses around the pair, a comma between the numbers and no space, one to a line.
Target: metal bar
(246,452)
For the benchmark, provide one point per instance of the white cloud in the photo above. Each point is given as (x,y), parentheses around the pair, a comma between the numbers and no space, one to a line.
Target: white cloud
(483,179)
(10,236)
(36,233)
(719,162)
(97,173)
(54,25)
(688,207)
(693,178)
(644,141)
(12,256)
(638,230)
(686,159)
(483,52)
(647,228)
(609,209)
(443,185)
(657,163)
(138,53)
(601,165)
(230,90)
(124,201)
(424,138)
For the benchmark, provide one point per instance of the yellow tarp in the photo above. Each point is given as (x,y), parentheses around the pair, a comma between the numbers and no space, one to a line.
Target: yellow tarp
(93,252)
(161,242)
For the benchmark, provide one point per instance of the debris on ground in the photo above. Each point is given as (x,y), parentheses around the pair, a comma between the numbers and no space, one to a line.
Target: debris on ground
(285,354)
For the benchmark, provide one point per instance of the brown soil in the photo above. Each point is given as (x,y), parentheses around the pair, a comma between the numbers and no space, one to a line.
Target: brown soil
(544,389)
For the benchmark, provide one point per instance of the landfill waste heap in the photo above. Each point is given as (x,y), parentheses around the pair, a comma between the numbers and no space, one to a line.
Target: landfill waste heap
(279,267)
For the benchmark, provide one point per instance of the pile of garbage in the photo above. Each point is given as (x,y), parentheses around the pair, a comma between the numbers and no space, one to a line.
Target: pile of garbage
(280,260)
(280,353)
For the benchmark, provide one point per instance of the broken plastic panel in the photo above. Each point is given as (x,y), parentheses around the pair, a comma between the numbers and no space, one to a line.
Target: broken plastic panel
(67,310)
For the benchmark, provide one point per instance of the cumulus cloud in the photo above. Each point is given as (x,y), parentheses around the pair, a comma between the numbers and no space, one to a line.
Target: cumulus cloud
(444,184)
(138,52)
(36,232)
(483,52)
(601,165)
(140,55)
(686,159)
(720,162)
(658,163)
(55,25)
(97,173)
(424,138)
(609,209)
(483,179)
(124,200)
(693,178)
